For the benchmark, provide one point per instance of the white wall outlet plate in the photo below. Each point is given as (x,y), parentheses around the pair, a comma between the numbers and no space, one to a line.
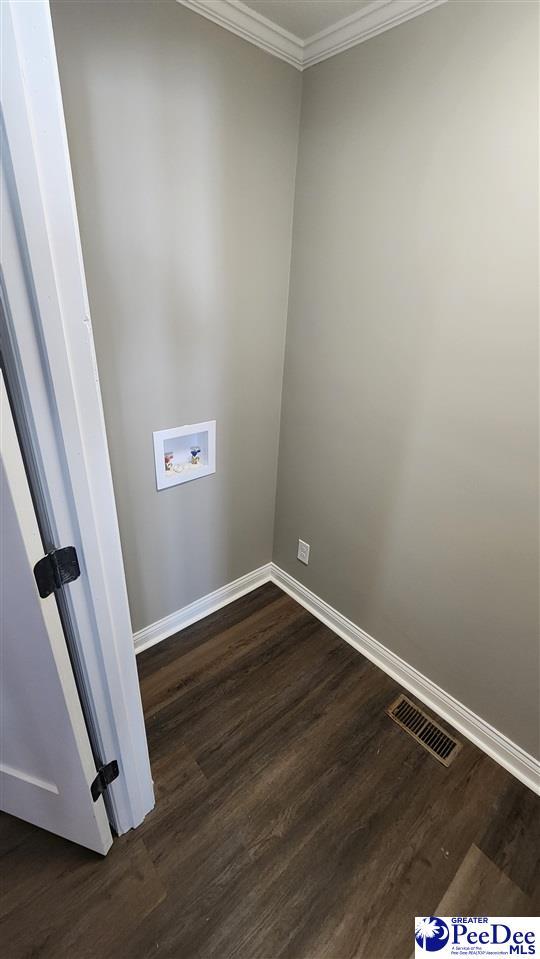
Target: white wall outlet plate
(184,453)
(303,551)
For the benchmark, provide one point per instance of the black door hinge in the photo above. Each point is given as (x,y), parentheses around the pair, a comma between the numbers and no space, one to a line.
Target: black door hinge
(58,567)
(105,775)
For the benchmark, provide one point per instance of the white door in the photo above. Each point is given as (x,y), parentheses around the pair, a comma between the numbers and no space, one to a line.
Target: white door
(46,337)
(46,764)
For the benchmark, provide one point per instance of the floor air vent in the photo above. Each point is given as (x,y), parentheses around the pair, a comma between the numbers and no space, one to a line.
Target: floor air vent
(424,729)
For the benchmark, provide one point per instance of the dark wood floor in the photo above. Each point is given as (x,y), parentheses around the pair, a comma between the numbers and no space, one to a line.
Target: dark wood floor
(293,818)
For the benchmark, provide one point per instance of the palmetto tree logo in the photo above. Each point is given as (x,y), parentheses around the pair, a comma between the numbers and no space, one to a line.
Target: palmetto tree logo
(431,933)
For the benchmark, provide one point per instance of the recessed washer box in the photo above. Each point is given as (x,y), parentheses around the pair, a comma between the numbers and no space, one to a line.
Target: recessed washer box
(184,453)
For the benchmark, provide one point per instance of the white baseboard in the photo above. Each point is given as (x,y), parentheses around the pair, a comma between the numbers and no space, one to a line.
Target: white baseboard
(202,607)
(522,765)
(512,757)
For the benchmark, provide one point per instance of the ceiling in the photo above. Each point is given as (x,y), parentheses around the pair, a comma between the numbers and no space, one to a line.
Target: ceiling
(304,18)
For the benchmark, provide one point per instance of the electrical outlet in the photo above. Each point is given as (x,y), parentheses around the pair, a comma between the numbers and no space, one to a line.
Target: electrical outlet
(303,551)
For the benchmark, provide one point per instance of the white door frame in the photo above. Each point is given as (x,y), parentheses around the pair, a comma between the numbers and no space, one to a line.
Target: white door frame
(58,380)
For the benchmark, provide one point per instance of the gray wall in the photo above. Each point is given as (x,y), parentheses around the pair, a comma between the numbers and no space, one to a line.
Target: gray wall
(183,142)
(408,454)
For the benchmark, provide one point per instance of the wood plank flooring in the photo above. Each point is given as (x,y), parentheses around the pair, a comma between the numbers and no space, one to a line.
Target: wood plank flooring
(294,819)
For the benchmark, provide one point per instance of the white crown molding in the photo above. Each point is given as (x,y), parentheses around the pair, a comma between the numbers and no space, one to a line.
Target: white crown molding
(508,754)
(250,25)
(371,20)
(375,18)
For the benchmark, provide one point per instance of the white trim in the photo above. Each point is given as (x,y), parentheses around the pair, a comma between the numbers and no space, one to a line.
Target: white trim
(375,18)
(371,20)
(202,607)
(58,375)
(251,26)
(509,755)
